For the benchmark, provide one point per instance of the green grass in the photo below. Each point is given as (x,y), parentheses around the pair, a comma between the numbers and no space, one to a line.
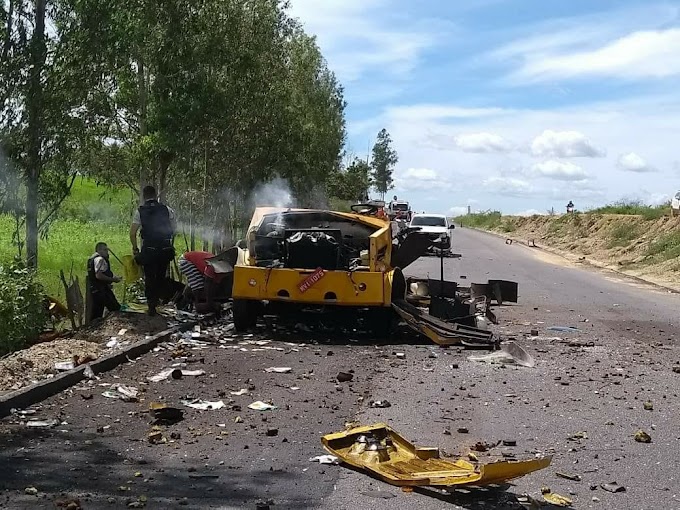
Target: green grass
(634,207)
(665,248)
(623,235)
(486,220)
(90,214)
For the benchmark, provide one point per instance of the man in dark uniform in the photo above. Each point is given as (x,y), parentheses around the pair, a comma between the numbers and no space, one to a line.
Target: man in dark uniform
(99,280)
(156,224)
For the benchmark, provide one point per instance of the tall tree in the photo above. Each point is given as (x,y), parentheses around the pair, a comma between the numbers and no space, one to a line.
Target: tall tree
(382,163)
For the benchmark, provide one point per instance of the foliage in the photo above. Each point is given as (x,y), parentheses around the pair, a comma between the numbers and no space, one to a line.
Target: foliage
(485,220)
(665,248)
(384,159)
(352,183)
(22,311)
(623,234)
(207,100)
(634,207)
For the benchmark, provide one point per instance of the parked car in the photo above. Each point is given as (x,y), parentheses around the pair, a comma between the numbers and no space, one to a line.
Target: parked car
(675,204)
(436,226)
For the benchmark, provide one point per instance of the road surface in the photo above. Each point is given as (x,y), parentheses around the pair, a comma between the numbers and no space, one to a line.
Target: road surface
(593,382)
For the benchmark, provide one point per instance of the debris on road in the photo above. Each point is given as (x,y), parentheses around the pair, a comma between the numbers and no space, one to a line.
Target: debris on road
(164,413)
(642,437)
(42,424)
(31,491)
(124,393)
(63,366)
(261,406)
(392,458)
(278,370)
(380,404)
(510,353)
(175,373)
(203,405)
(344,377)
(613,487)
(566,476)
(325,459)
(240,392)
(564,329)
(648,406)
(555,499)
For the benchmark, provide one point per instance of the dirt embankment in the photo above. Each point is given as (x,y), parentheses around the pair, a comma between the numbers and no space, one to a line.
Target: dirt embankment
(646,248)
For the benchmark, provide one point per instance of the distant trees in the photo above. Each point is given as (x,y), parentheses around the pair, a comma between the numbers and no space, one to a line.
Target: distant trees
(205,99)
(383,162)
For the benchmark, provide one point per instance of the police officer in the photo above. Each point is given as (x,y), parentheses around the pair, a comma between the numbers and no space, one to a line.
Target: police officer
(156,224)
(99,280)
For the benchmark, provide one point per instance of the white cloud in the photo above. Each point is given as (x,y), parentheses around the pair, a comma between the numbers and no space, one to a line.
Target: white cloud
(632,162)
(508,186)
(426,174)
(427,111)
(357,37)
(458,211)
(530,212)
(564,144)
(420,179)
(559,170)
(482,143)
(637,55)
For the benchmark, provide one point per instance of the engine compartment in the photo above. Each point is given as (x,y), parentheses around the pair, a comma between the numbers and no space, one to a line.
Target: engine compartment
(309,240)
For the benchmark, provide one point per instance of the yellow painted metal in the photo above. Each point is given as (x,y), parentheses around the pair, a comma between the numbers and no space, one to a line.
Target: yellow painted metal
(131,270)
(341,288)
(395,460)
(426,329)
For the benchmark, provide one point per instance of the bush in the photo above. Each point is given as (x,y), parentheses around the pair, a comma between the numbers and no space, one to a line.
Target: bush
(484,220)
(22,310)
(634,207)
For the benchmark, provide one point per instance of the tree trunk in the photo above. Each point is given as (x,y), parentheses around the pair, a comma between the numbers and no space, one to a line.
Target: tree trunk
(141,91)
(34,108)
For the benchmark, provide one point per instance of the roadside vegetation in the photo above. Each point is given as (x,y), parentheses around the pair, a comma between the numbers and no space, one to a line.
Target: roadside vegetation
(222,106)
(485,220)
(634,207)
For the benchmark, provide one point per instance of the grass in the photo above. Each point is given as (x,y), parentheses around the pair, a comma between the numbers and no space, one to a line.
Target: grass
(486,220)
(634,207)
(623,235)
(665,248)
(92,213)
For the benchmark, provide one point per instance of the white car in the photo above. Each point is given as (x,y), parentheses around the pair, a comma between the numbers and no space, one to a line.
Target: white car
(436,225)
(675,204)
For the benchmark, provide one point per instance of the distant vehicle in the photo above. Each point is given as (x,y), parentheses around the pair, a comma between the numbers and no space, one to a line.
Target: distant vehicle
(437,227)
(675,204)
(400,210)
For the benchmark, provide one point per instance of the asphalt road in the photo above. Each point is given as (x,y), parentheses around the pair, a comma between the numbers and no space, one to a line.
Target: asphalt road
(594,381)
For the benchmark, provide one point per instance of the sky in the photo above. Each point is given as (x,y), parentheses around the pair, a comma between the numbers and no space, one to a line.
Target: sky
(511,105)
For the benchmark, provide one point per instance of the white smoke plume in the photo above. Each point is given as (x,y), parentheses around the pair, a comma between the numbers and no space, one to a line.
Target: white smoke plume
(275,193)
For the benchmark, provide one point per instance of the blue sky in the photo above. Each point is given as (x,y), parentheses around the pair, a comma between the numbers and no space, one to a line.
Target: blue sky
(517,105)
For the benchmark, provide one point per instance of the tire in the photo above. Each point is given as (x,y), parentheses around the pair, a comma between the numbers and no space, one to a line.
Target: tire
(245,314)
(382,323)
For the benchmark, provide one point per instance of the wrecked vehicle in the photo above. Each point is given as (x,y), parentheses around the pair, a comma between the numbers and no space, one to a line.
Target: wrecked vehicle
(351,263)
(437,227)
(322,258)
(390,457)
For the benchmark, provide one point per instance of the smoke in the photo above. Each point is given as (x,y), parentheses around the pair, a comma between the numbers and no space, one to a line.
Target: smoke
(276,193)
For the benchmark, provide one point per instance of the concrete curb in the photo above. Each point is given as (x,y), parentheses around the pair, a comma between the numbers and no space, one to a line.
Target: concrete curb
(25,397)
(591,263)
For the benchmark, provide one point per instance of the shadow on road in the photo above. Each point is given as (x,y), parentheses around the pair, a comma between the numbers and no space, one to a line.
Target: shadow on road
(63,465)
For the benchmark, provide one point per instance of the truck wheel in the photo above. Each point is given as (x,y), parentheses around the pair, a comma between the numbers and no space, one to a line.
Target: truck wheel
(245,314)
(383,321)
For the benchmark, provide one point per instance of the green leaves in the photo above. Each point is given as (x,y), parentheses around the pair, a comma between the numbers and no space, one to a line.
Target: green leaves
(22,313)
(384,159)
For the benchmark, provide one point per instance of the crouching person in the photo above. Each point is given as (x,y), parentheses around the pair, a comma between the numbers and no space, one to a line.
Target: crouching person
(201,280)
(100,280)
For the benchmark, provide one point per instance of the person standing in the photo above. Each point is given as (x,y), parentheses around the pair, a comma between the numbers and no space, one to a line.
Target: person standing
(100,279)
(156,225)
